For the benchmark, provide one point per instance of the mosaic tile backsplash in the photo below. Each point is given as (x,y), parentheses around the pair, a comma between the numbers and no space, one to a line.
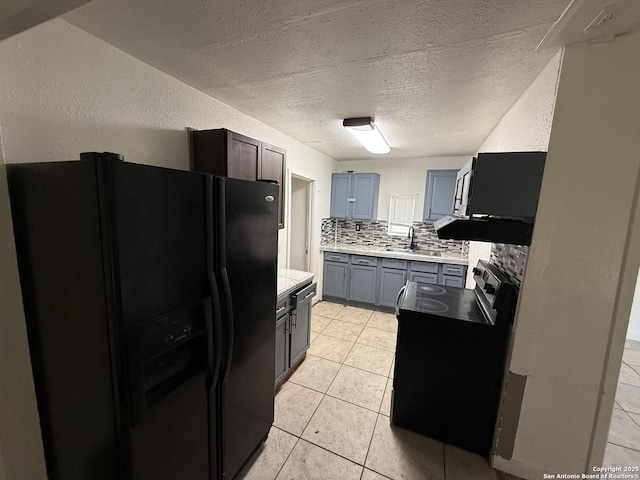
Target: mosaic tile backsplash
(511,260)
(374,234)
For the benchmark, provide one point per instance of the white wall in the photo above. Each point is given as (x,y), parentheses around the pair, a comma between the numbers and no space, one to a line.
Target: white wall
(63,92)
(633,332)
(525,127)
(406,176)
(583,263)
(56,105)
(527,124)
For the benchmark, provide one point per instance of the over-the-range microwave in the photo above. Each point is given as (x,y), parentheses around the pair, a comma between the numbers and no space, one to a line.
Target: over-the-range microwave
(496,198)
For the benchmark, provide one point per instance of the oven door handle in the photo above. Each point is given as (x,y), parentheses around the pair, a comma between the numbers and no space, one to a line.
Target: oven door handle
(398,299)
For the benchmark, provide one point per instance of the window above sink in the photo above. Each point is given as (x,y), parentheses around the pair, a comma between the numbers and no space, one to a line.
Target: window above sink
(401,210)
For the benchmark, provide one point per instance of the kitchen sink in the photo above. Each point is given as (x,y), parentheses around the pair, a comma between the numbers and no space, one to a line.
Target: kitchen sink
(406,250)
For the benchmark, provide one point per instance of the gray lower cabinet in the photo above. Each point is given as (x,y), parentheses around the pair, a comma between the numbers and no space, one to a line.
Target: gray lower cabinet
(336,275)
(393,276)
(377,281)
(449,281)
(293,330)
(300,322)
(453,275)
(362,287)
(422,277)
(425,272)
(282,337)
(363,279)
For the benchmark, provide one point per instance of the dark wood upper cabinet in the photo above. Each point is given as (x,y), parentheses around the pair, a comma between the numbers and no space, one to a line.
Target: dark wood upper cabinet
(230,154)
(272,167)
(243,159)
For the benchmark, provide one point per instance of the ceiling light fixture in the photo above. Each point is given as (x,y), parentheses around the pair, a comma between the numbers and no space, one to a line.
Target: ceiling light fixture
(365,131)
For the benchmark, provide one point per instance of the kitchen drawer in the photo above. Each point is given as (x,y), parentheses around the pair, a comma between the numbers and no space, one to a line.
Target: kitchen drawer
(282,307)
(457,270)
(420,277)
(394,263)
(336,257)
(452,281)
(426,267)
(302,295)
(360,260)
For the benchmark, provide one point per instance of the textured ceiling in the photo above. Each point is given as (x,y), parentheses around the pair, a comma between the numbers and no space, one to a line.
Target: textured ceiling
(437,76)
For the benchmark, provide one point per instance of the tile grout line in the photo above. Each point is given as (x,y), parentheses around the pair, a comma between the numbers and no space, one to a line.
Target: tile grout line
(444,461)
(288,456)
(623,446)
(342,400)
(324,395)
(371,440)
(369,449)
(632,420)
(342,364)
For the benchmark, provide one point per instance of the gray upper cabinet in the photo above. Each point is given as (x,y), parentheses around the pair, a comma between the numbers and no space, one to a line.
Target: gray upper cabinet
(354,195)
(439,193)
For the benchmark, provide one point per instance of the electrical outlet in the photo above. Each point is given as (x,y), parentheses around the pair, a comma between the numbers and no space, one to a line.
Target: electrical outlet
(357,227)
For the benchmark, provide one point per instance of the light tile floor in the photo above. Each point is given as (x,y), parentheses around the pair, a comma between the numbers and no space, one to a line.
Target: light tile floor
(623,444)
(332,415)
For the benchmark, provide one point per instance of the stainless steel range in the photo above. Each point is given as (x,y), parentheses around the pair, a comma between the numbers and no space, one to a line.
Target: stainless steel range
(450,358)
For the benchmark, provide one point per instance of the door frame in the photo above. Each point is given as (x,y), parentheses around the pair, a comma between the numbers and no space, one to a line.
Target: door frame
(309,222)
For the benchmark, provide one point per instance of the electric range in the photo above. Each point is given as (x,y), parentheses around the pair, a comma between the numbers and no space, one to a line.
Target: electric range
(450,358)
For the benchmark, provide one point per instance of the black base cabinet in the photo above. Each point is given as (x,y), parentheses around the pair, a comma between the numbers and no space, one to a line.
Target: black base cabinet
(293,330)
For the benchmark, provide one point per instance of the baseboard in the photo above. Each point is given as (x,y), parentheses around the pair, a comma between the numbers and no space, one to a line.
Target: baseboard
(519,469)
(633,335)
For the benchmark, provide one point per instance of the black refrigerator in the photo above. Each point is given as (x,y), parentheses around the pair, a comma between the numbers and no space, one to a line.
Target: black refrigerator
(149,296)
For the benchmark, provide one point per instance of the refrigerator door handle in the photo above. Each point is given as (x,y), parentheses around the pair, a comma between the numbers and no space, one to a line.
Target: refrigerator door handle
(215,333)
(229,312)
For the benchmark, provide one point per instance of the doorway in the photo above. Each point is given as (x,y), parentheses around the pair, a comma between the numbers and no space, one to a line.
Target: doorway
(623,441)
(300,223)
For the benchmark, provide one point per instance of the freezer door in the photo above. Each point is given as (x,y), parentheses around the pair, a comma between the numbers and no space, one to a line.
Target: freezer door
(160,243)
(246,261)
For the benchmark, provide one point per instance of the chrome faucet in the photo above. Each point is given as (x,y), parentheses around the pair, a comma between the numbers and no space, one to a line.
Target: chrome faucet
(411,234)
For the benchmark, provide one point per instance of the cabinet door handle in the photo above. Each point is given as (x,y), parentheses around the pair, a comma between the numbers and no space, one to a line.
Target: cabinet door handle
(294,318)
(280,309)
(363,261)
(311,294)
(335,257)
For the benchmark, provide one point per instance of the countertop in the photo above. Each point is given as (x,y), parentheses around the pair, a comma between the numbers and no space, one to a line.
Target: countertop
(289,280)
(402,254)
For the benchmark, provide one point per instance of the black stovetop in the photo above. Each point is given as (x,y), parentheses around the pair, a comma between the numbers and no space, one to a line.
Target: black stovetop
(451,302)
